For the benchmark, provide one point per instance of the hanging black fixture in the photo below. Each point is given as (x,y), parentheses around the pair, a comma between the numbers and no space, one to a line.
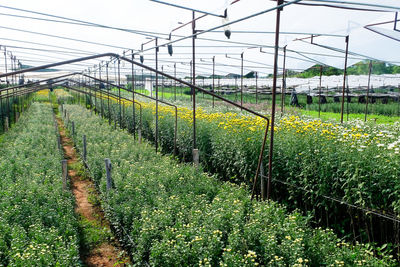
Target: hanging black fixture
(170,46)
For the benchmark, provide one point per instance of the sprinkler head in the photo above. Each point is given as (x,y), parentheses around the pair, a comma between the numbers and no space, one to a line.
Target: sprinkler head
(170,49)
(228,34)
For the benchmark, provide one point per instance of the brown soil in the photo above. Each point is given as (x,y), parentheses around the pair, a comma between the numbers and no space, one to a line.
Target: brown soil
(106,254)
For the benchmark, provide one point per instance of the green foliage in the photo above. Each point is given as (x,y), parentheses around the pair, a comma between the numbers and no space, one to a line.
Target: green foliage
(37,222)
(360,68)
(172,214)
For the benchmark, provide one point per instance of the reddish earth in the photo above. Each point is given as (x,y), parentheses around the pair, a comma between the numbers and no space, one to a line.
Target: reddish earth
(105,254)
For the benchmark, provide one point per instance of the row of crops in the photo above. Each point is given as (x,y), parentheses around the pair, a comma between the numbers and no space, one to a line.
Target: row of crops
(172,214)
(37,222)
(318,166)
(10,108)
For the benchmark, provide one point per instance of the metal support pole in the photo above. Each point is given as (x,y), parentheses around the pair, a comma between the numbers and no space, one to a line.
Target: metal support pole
(195,154)
(108,97)
(271,143)
(119,93)
(5,63)
(241,80)
(84,148)
(191,77)
(108,173)
(162,83)
(95,95)
(256,87)
(156,135)
(283,89)
(133,99)
(320,91)
(369,83)
(174,80)
(213,84)
(344,78)
(101,95)
(6,124)
(64,173)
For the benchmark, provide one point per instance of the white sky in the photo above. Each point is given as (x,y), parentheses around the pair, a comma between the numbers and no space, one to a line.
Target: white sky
(149,16)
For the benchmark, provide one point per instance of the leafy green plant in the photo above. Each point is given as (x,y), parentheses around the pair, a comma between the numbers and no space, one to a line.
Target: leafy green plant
(172,214)
(37,223)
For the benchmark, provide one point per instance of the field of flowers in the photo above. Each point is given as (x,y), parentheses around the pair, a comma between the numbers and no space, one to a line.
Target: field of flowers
(356,163)
(37,222)
(173,214)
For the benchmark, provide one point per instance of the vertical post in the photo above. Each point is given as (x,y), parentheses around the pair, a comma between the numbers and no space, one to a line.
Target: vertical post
(191,77)
(262,179)
(195,151)
(108,96)
(213,84)
(64,173)
(241,80)
(271,143)
(119,94)
(108,173)
(5,63)
(344,78)
(58,139)
(369,83)
(175,80)
(162,83)
(320,91)
(101,96)
(84,148)
(73,128)
(256,87)
(283,89)
(133,98)
(95,94)
(6,125)
(156,135)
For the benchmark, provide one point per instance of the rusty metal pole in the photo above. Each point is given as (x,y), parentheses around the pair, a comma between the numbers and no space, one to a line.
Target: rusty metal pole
(320,91)
(195,150)
(271,143)
(156,141)
(283,80)
(344,78)
(369,83)
(133,99)
(241,80)
(213,79)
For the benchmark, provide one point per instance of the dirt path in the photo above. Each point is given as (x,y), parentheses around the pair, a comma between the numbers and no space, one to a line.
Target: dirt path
(104,254)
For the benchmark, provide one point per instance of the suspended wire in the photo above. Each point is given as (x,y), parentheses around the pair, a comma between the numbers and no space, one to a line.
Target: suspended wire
(62,37)
(54,46)
(83,23)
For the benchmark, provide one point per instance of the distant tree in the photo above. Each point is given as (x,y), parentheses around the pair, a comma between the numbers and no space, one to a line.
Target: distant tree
(249,75)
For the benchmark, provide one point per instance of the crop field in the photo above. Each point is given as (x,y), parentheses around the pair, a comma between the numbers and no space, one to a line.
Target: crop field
(199,133)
